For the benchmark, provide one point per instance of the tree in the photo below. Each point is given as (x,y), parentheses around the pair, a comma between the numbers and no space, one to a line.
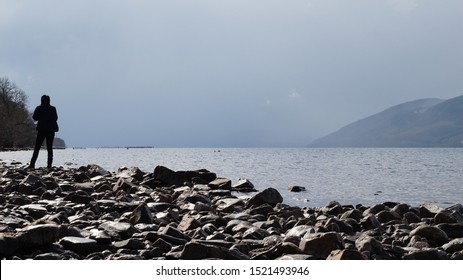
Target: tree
(16,126)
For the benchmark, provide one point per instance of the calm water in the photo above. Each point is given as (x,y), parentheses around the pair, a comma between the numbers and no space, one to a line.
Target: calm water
(350,176)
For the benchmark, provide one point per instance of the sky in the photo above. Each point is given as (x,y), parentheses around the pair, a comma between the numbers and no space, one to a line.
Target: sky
(227,73)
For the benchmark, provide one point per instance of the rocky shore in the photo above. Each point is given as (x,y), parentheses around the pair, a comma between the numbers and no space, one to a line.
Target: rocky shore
(90,213)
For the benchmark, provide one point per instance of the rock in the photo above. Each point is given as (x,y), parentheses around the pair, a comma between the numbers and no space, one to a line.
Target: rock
(228,205)
(295,234)
(453,246)
(367,243)
(270,196)
(352,214)
(8,245)
(411,218)
(131,244)
(452,230)
(370,222)
(124,185)
(142,214)
(38,235)
(94,170)
(244,185)
(427,254)
(220,183)
(431,233)
(296,189)
(346,254)
(118,230)
(197,251)
(178,178)
(295,257)
(130,172)
(79,245)
(34,210)
(321,245)
(386,216)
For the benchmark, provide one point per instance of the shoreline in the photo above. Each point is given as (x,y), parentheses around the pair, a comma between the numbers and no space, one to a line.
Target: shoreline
(90,213)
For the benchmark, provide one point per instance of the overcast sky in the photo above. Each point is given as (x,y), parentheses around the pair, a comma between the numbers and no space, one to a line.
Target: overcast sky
(227,73)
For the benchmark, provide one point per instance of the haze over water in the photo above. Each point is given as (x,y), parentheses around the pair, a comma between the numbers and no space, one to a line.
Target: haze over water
(349,176)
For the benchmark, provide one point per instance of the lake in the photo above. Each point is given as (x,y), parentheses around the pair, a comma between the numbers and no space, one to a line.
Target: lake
(347,175)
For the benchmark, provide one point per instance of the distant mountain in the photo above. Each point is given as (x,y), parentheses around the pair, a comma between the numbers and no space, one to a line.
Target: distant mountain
(420,123)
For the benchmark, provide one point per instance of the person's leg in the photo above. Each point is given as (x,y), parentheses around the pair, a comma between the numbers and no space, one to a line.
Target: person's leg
(38,145)
(50,139)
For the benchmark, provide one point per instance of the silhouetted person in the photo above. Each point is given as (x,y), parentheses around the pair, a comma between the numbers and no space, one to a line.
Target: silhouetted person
(46,117)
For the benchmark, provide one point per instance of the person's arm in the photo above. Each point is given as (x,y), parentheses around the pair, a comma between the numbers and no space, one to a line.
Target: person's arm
(36,114)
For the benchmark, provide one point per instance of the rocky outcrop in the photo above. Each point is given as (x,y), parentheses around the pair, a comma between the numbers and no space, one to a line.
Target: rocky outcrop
(90,213)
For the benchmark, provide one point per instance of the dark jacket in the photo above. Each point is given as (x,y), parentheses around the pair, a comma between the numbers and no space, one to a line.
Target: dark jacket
(47,118)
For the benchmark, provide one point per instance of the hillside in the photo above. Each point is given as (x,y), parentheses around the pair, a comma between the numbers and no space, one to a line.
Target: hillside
(420,123)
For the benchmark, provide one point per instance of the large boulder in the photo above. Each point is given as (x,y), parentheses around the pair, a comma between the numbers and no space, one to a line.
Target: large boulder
(178,178)
(270,196)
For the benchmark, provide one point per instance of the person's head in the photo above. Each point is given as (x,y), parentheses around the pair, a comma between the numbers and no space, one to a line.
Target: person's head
(45,100)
